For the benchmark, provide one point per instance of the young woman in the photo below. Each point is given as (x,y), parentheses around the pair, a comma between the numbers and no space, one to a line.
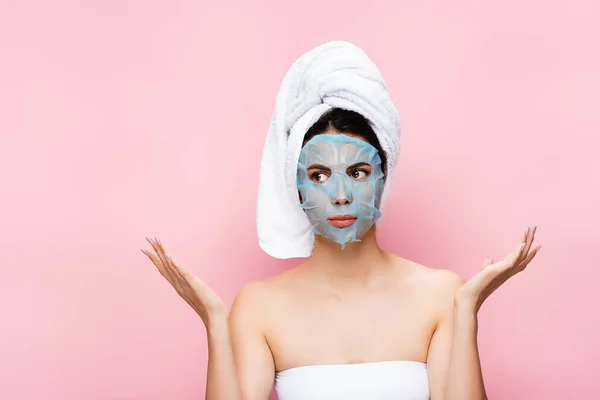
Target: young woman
(352,321)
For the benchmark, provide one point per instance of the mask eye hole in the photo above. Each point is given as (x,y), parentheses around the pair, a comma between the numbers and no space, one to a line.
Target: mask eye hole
(359,172)
(318,173)
(319,177)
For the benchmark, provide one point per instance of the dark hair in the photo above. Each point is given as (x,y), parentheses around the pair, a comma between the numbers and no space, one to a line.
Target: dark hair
(347,121)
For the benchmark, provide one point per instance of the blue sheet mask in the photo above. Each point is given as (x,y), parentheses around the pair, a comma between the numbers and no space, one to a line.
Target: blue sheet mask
(340,186)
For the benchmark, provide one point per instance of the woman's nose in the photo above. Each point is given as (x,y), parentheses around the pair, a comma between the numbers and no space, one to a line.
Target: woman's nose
(341,193)
(342,200)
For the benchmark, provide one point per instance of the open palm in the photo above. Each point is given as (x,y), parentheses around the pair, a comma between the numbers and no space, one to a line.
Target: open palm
(493,275)
(191,288)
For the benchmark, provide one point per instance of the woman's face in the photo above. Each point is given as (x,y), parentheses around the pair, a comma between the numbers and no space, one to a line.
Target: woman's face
(340,182)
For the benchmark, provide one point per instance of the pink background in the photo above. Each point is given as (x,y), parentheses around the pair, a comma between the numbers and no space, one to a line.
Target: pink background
(121,119)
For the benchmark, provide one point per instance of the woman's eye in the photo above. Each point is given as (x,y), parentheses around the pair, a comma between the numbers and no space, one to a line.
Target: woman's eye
(319,177)
(359,174)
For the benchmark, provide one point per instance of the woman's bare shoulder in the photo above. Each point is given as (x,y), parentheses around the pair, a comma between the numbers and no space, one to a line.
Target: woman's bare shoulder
(442,281)
(266,292)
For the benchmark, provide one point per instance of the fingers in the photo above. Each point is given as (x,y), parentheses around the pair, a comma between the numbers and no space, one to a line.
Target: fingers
(162,248)
(530,256)
(171,263)
(157,248)
(513,258)
(529,236)
(161,261)
(158,264)
(164,262)
(162,251)
(524,246)
(525,252)
(522,251)
(182,273)
(523,264)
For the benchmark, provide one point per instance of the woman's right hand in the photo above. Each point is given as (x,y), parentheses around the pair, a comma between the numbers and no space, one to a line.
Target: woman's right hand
(194,291)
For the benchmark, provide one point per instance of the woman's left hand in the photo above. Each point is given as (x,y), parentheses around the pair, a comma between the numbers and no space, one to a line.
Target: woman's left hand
(474,292)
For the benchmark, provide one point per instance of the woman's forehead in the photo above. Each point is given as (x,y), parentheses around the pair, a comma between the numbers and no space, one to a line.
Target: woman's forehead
(337,148)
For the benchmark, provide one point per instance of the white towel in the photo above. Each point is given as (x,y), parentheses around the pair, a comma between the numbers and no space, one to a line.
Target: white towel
(335,74)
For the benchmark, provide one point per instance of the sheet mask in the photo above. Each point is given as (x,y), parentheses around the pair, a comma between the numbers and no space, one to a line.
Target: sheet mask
(337,192)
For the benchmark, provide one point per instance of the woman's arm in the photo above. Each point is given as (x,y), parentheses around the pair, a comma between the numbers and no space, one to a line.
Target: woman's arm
(453,360)
(240,363)
(254,362)
(465,378)
(221,379)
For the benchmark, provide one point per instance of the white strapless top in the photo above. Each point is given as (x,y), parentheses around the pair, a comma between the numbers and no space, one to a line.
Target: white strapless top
(385,380)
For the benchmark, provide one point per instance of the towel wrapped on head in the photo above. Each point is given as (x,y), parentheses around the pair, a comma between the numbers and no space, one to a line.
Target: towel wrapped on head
(333,75)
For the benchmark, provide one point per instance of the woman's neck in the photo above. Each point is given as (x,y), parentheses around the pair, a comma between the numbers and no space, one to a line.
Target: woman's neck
(357,264)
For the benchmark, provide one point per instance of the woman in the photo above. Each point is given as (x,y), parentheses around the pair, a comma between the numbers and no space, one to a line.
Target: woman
(352,321)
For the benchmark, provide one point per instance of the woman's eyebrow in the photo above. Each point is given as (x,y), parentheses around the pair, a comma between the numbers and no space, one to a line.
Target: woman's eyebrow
(359,164)
(318,166)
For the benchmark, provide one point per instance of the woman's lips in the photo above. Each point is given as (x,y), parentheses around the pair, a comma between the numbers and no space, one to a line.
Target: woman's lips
(341,221)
